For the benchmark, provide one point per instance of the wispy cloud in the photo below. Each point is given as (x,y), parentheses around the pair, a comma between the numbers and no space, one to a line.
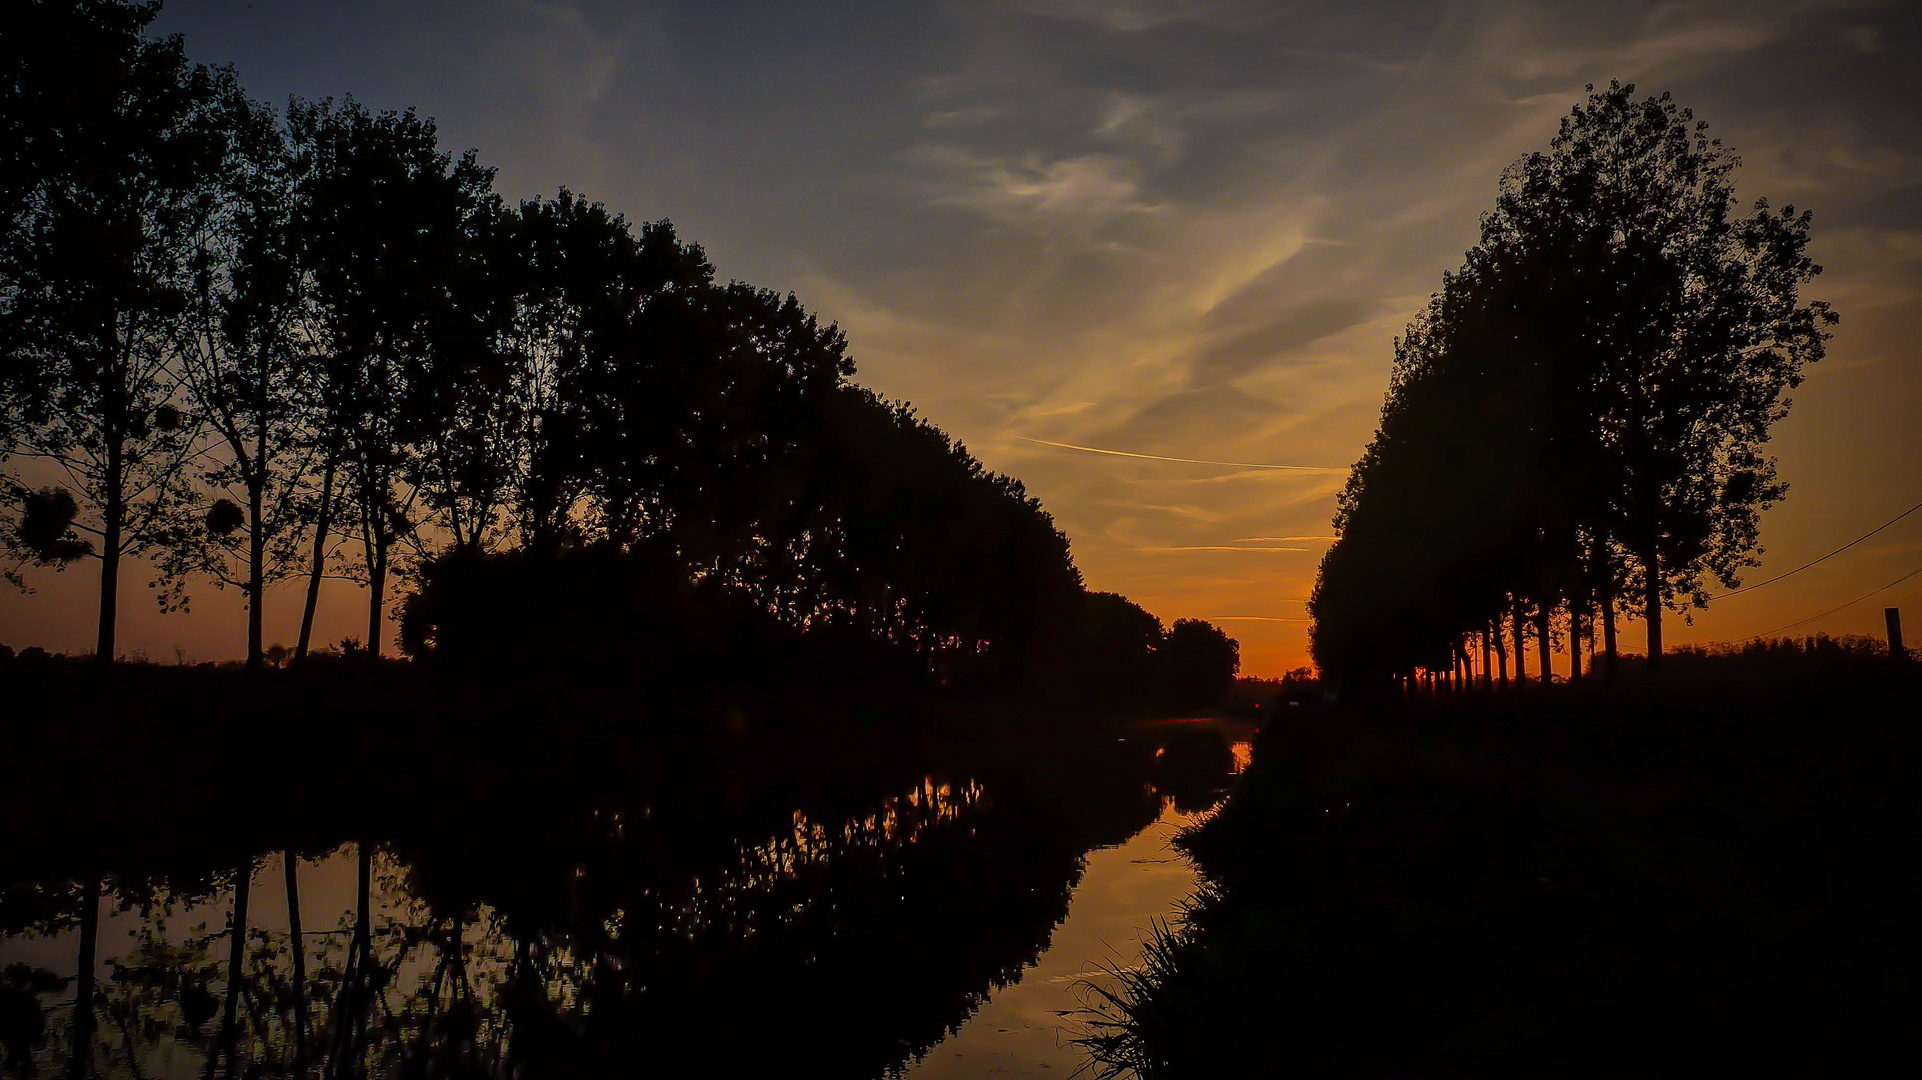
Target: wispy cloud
(1138,252)
(1078,194)
(1129,16)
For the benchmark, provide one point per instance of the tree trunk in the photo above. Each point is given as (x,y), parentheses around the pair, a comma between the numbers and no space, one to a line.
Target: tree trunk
(1544,643)
(1608,625)
(321,525)
(256,567)
(1652,567)
(299,951)
(376,588)
(1521,645)
(1574,642)
(1501,650)
(236,957)
(111,524)
(350,1009)
(1488,661)
(363,976)
(80,1064)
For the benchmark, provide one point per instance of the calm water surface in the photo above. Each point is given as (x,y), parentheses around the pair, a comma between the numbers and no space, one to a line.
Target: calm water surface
(1029,1029)
(942,926)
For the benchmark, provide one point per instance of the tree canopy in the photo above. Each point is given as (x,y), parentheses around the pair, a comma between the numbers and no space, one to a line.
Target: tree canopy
(104,162)
(253,342)
(1576,423)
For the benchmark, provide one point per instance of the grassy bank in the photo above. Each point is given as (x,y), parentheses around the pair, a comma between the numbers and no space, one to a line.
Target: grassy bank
(1652,879)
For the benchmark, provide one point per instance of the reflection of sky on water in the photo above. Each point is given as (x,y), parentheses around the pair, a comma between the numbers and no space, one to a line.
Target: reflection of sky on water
(993,908)
(1028,1029)
(160,944)
(185,932)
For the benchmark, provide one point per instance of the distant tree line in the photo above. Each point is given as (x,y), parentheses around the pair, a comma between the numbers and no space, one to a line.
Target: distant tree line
(1575,425)
(254,345)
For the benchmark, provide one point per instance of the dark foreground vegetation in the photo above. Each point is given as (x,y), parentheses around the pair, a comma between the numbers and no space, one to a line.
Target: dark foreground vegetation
(1708,874)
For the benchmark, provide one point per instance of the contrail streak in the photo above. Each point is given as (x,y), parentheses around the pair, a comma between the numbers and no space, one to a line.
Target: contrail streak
(1214,547)
(1182,460)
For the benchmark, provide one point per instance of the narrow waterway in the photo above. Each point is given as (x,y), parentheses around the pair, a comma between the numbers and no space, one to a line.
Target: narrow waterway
(939,926)
(1029,1028)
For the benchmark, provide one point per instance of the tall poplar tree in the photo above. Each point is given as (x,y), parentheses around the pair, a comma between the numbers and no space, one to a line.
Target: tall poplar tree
(101,178)
(1581,413)
(386,220)
(240,353)
(1680,332)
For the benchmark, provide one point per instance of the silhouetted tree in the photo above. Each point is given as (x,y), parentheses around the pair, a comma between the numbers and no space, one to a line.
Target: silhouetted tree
(101,181)
(878,530)
(1200,662)
(241,351)
(297,951)
(342,328)
(699,414)
(1690,331)
(586,328)
(1110,651)
(83,1014)
(905,535)
(236,960)
(1440,522)
(1587,395)
(387,221)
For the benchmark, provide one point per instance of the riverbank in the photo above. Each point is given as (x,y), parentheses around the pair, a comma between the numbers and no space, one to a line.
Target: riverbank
(143,762)
(1599,881)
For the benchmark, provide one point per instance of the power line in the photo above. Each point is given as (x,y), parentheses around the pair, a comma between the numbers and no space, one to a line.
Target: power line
(1825,558)
(1850,604)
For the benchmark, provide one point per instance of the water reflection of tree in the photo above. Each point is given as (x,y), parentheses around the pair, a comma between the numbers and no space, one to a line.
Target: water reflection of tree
(854,943)
(726,931)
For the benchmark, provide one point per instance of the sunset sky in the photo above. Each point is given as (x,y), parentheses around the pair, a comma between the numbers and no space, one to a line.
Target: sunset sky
(1177,229)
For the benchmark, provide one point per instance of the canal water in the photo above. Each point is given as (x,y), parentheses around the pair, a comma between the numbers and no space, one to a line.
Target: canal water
(1029,1028)
(942,926)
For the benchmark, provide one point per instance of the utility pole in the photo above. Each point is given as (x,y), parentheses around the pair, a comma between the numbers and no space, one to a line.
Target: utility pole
(1896,651)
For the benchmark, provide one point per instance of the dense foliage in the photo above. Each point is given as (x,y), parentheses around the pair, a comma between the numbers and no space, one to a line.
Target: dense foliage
(256,344)
(1575,423)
